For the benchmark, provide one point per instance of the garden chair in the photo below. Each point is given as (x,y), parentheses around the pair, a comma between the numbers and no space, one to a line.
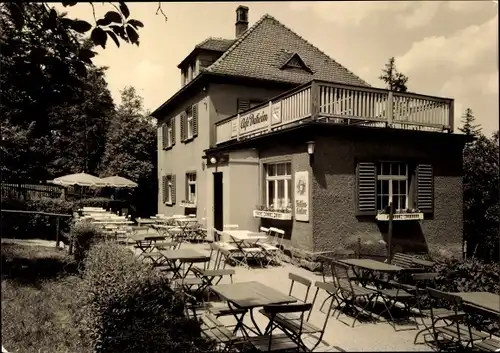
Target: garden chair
(212,274)
(349,293)
(245,253)
(217,332)
(456,332)
(281,342)
(489,344)
(277,235)
(272,247)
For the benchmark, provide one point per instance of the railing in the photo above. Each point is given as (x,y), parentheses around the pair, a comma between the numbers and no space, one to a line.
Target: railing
(343,104)
(30,191)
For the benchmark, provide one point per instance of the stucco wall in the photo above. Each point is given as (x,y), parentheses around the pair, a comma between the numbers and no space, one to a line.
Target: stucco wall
(185,157)
(298,234)
(334,197)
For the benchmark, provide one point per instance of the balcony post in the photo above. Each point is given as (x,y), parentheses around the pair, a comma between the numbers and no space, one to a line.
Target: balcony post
(390,109)
(269,115)
(451,117)
(314,100)
(238,127)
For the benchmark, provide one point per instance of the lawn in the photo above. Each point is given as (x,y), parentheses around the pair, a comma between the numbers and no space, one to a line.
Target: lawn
(39,286)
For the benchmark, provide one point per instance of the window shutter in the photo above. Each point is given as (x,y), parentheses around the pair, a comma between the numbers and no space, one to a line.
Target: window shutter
(425,188)
(366,177)
(164,188)
(164,136)
(183,126)
(173,189)
(243,104)
(172,122)
(195,120)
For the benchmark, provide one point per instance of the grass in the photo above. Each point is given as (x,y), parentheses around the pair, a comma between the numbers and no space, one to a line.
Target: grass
(38,300)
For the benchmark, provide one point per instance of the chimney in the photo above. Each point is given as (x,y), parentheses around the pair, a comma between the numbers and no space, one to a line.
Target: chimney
(241,20)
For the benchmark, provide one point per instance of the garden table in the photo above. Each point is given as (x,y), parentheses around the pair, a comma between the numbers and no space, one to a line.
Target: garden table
(245,235)
(142,221)
(186,226)
(176,259)
(482,300)
(249,296)
(370,267)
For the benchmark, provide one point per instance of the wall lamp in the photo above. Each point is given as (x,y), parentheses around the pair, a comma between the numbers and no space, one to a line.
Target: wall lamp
(310,150)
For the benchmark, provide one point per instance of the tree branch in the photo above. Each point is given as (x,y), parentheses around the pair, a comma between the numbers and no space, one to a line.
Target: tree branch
(160,10)
(93,12)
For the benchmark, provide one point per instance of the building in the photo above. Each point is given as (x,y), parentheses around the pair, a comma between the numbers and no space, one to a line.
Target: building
(269,130)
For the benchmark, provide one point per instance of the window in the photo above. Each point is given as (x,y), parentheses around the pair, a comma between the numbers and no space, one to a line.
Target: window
(278,185)
(169,189)
(392,184)
(245,104)
(191,187)
(190,123)
(169,134)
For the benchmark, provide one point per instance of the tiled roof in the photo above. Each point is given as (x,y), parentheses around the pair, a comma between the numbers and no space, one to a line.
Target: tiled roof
(261,50)
(216,44)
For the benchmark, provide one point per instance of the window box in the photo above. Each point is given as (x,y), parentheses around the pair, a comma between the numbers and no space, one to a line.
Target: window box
(411,216)
(272,215)
(188,204)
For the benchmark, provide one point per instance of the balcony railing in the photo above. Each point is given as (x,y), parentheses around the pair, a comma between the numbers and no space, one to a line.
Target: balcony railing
(341,104)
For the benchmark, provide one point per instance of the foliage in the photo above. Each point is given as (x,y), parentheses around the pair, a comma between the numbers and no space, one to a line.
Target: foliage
(37,315)
(481,192)
(84,235)
(54,116)
(116,25)
(470,276)
(129,307)
(131,149)
(100,202)
(22,225)
(395,80)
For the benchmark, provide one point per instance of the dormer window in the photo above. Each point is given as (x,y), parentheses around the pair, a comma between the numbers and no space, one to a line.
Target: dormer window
(295,62)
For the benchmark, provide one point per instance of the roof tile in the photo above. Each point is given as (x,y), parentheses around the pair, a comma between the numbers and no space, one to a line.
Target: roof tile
(259,53)
(216,44)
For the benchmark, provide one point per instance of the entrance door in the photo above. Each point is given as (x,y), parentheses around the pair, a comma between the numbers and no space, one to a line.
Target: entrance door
(218,206)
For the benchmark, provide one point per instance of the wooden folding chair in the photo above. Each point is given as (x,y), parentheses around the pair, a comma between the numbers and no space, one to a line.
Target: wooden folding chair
(247,252)
(284,342)
(489,344)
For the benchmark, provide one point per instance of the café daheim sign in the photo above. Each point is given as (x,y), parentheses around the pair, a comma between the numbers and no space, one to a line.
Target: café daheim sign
(256,120)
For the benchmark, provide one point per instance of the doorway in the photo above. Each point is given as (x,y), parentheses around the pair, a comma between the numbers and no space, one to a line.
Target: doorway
(218,199)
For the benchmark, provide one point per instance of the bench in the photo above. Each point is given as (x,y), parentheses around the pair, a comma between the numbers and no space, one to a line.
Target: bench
(403,260)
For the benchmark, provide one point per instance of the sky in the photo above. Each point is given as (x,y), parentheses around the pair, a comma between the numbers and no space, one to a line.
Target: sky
(446,48)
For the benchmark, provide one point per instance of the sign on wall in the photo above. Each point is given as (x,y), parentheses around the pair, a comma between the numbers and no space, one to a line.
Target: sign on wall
(301,199)
(258,119)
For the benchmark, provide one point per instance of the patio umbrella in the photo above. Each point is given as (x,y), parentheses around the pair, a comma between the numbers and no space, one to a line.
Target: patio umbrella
(80,179)
(116,181)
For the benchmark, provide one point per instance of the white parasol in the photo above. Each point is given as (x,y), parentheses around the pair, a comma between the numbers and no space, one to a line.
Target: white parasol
(116,181)
(81,179)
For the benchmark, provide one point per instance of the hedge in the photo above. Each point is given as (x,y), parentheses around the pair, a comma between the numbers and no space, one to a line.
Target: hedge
(126,306)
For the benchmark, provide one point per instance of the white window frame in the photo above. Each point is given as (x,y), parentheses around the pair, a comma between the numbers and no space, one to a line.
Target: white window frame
(392,177)
(191,180)
(190,123)
(169,190)
(287,178)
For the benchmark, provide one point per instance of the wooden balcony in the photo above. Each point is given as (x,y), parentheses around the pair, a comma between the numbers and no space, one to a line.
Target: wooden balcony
(340,104)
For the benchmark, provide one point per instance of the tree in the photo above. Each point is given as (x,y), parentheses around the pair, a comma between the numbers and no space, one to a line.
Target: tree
(468,127)
(116,24)
(481,191)
(45,103)
(394,80)
(131,149)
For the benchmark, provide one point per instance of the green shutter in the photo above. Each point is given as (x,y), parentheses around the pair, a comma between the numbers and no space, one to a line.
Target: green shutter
(164,136)
(164,188)
(425,188)
(366,180)
(242,105)
(172,123)
(173,188)
(183,126)
(195,120)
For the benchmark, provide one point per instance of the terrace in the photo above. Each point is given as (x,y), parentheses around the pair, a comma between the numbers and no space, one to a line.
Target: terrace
(339,104)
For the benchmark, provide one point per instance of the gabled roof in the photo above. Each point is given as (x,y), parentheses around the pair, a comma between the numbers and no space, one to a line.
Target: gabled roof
(212,44)
(258,53)
(294,61)
(216,44)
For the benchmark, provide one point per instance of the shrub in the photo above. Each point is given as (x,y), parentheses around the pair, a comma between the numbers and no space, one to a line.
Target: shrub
(470,276)
(22,225)
(129,307)
(114,205)
(83,235)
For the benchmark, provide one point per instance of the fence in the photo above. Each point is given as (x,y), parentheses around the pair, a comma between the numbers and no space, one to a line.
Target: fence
(31,191)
